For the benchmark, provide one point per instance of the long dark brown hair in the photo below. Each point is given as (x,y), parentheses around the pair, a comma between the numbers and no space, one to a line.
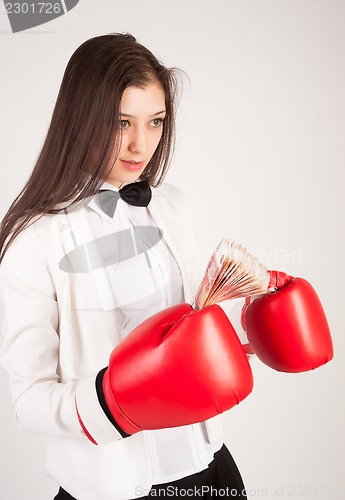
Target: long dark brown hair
(80,141)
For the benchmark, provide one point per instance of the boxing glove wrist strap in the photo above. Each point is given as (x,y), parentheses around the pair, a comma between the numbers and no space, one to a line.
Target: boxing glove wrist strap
(103,403)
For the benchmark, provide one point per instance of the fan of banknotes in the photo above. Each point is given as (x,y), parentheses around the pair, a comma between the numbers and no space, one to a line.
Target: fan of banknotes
(232,272)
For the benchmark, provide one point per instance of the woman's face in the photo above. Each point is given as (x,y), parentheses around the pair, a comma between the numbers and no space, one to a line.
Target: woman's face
(142,112)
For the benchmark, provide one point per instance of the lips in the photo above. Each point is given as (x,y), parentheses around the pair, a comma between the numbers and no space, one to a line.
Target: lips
(133,166)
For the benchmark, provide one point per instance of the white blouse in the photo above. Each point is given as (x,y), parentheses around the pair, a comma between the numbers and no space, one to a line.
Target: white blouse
(59,322)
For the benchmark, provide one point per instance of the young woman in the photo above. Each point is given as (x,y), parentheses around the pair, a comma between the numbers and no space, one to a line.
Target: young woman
(94,245)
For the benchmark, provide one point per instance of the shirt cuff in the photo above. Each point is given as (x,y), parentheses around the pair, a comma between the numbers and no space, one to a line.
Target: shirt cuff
(94,421)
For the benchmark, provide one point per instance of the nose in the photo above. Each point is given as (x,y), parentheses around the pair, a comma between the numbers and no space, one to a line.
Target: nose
(137,142)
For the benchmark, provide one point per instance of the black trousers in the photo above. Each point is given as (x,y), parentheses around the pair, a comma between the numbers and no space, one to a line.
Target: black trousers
(221,479)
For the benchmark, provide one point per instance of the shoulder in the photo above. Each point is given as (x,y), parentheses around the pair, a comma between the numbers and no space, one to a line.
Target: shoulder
(171,201)
(25,267)
(170,193)
(29,244)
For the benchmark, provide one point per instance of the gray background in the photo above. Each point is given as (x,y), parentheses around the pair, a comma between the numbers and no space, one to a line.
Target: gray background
(261,157)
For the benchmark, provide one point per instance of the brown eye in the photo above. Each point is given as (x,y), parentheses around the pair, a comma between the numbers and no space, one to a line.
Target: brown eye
(124,123)
(157,122)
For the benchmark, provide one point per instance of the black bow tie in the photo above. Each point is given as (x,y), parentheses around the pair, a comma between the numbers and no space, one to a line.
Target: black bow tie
(137,194)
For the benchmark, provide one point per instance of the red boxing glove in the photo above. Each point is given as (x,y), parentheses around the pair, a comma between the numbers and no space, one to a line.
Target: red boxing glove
(288,329)
(178,367)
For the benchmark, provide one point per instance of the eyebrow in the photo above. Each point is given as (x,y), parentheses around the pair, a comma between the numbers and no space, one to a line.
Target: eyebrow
(151,116)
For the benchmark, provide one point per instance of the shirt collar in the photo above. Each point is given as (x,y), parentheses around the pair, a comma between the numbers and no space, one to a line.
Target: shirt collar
(107,185)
